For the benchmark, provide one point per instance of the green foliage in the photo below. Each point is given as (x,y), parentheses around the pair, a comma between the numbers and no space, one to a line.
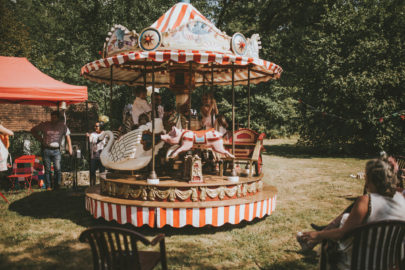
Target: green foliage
(344,58)
(15,36)
(17,144)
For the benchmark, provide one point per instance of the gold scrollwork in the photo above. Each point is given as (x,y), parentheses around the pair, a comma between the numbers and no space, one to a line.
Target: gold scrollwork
(171,194)
(203,193)
(135,193)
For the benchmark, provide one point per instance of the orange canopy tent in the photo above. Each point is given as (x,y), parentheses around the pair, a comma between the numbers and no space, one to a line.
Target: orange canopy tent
(22,83)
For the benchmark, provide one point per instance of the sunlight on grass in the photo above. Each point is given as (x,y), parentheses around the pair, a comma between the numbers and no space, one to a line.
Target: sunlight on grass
(41,230)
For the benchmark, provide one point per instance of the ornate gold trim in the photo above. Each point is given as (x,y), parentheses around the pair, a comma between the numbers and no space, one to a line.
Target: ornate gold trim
(152,193)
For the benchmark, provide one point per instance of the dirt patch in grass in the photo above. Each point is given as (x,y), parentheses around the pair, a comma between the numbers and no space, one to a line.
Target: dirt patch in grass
(40,230)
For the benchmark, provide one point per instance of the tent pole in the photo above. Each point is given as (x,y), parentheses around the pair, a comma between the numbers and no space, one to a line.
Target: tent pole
(88,129)
(248,96)
(233,119)
(152,174)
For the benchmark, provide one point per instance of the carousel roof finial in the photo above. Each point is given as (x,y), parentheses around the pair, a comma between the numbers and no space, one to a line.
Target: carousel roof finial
(185,1)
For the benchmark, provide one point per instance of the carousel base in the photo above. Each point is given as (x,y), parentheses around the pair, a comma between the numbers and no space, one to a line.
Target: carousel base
(140,211)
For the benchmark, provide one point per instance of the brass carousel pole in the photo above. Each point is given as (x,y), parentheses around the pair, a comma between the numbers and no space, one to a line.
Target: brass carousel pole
(152,176)
(248,96)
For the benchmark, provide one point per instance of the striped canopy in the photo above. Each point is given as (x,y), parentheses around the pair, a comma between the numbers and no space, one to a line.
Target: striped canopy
(190,42)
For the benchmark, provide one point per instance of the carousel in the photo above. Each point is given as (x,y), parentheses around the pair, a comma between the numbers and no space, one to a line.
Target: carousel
(208,178)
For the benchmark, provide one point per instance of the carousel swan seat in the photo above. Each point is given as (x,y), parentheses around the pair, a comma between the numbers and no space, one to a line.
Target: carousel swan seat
(248,149)
(133,150)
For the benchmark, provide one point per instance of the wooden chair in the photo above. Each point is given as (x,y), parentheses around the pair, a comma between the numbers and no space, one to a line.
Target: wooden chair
(248,149)
(116,248)
(378,245)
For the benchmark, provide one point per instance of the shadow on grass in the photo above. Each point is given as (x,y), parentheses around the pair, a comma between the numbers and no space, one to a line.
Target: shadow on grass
(190,230)
(64,204)
(66,255)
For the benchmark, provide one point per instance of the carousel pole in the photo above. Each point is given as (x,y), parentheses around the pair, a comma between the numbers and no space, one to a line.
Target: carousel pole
(248,96)
(111,90)
(190,70)
(212,91)
(234,177)
(152,179)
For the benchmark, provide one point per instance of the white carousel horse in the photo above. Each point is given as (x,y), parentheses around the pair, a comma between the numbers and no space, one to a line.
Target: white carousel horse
(128,152)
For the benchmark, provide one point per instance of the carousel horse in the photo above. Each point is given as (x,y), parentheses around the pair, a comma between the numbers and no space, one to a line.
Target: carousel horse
(132,151)
(187,138)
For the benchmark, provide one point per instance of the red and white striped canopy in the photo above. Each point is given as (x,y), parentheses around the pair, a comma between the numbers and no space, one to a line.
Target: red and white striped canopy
(178,15)
(187,37)
(127,68)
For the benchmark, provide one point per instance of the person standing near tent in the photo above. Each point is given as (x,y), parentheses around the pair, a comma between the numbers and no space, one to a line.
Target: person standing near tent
(96,146)
(50,135)
(4,144)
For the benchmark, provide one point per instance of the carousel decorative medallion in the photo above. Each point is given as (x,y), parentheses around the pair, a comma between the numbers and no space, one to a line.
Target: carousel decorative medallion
(120,39)
(169,171)
(238,44)
(150,39)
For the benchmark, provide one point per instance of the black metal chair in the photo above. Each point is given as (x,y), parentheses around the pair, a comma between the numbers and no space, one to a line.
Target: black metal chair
(378,245)
(116,248)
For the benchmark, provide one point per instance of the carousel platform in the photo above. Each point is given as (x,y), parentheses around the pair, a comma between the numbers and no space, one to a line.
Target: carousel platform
(177,203)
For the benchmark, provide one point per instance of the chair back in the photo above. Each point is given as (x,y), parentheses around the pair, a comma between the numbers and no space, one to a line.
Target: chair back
(22,169)
(116,248)
(378,245)
(401,167)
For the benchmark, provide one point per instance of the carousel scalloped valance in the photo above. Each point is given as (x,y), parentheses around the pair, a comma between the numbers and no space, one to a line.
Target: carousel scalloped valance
(129,68)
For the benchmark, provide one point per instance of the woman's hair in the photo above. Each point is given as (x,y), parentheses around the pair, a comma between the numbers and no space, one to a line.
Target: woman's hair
(222,121)
(382,172)
(139,90)
(101,124)
(143,118)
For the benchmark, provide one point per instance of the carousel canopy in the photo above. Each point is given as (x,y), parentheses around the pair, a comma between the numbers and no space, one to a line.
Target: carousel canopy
(181,40)
(22,82)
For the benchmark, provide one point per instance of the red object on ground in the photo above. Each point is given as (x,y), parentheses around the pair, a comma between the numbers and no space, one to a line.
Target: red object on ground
(21,82)
(1,194)
(23,172)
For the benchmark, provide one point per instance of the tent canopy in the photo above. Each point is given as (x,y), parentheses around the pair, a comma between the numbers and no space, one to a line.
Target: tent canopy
(22,83)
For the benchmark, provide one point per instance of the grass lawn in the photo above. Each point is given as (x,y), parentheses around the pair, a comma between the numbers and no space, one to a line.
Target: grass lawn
(40,230)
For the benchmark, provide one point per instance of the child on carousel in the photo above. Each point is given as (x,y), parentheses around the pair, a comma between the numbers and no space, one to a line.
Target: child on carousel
(208,111)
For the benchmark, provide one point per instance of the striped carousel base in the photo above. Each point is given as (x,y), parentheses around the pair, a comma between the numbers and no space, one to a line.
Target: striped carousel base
(179,214)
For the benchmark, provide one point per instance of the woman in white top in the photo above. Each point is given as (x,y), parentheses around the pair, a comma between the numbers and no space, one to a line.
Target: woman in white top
(382,203)
(96,147)
(140,105)
(3,149)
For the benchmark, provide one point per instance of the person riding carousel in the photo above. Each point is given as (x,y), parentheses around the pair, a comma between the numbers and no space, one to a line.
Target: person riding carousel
(208,110)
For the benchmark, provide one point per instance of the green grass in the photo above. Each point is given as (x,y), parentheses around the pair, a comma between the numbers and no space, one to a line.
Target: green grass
(40,230)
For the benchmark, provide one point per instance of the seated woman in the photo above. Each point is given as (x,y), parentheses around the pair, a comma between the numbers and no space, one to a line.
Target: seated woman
(382,203)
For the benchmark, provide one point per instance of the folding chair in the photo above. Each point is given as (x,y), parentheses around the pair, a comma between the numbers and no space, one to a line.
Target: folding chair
(22,172)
